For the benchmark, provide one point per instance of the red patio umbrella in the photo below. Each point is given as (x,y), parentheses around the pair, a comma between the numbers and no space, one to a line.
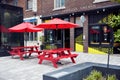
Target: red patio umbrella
(92,31)
(57,23)
(3,29)
(24,27)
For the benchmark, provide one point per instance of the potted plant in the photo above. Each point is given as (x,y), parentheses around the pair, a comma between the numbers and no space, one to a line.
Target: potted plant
(42,46)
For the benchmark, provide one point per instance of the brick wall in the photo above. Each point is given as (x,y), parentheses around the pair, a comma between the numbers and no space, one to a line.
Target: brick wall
(85,35)
(71,6)
(29,13)
(72,43)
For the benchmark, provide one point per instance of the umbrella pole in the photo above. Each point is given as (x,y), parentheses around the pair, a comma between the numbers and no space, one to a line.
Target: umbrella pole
(25,37)
(63,38)
(56,35)
(25,42)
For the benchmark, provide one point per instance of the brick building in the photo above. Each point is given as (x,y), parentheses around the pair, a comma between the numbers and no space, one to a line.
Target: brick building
(32,13)
(82,12)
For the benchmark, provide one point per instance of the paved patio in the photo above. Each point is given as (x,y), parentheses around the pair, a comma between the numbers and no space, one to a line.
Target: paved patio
(29,69)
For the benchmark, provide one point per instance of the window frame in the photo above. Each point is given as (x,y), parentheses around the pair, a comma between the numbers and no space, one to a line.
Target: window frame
(101,40)
(98,1)
(58,5)
(27,4)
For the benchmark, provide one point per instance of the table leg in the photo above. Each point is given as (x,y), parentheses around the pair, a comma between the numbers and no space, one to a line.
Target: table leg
(21,57)
(72,59)
(40,61)
(54,63)
(20,54)
(29,54)
(41,57)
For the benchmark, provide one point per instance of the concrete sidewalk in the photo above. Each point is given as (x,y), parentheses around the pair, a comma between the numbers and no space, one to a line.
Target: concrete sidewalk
(29,69)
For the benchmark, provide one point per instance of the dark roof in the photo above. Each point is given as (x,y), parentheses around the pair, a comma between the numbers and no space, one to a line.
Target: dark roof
(109,8)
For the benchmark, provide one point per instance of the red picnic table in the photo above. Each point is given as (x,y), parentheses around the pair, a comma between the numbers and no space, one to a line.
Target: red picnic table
(21,50)
(55,55)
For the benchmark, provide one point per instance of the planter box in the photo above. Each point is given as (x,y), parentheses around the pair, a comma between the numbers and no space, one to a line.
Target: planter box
(4,53)
(80,71)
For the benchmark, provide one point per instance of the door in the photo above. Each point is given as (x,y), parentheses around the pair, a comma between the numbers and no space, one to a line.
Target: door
(79,39)
(67,38)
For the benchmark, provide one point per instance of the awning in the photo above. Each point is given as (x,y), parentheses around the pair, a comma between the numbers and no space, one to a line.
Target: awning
(30,20)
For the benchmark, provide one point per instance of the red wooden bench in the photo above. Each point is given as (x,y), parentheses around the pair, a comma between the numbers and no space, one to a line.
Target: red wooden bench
(60,54)
(20,51)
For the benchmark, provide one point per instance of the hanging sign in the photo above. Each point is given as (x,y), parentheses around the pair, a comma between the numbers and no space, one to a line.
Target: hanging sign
(82,20)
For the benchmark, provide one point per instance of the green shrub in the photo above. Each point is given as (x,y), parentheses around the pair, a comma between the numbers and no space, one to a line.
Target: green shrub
(97,75)
(111,77)
(94,75)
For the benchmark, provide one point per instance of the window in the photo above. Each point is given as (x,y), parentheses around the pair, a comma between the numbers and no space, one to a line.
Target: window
(32,36)
(100,34)
(59,4)
(34,6)
(15,2)
(97,1)
(29,4)
(95,35)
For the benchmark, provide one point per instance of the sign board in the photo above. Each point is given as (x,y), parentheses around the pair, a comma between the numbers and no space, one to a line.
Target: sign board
(82,20)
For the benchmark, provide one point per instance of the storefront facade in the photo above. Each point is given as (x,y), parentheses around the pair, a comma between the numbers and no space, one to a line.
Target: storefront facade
(83,13)
(9,17)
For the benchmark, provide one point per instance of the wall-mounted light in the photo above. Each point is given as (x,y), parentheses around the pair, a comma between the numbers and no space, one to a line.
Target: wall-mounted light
(73,14)
(51,17)
(83,13)
(103,10)
(97,11)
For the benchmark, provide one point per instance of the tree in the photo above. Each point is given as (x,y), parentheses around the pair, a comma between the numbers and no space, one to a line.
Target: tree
(116,1)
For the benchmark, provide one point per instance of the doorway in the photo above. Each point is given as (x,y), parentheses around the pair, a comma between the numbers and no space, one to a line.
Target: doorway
(79,39)
(63,38)
(67,38)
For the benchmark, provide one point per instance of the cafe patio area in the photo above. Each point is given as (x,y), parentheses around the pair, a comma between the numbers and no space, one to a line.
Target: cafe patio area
(29,69)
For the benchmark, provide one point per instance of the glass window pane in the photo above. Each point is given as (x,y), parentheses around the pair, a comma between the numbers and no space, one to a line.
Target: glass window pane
(94,35)
(62,3)
(59,3)
(100,35)
(106,35)
(35,36)
(29,4)
(10,17)
(97,1)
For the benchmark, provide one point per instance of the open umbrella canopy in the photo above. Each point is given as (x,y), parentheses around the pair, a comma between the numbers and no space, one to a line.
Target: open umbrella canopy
(24,27)
(57,24)
(3,29)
